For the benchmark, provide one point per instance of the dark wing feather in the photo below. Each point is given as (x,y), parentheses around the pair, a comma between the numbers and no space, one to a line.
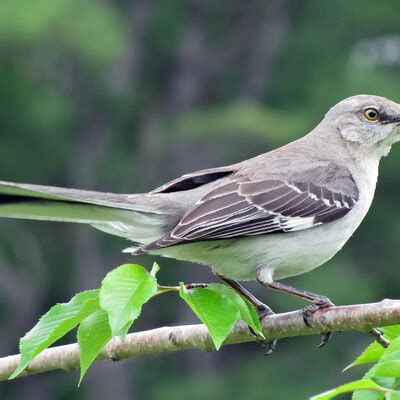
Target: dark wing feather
(194,180)
(246,208)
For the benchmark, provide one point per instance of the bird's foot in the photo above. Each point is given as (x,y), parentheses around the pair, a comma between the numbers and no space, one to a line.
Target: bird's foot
(321,303)
(264,311)
(269,346)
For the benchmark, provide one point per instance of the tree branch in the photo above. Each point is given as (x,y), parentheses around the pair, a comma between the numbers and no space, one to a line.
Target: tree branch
(362,317)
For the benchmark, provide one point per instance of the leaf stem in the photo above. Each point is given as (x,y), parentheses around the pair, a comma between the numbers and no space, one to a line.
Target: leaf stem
(164,289)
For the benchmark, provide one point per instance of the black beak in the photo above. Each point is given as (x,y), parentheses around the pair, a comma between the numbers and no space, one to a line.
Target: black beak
(390,119)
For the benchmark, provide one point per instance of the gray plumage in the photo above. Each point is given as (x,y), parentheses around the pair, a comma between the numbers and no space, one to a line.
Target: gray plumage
(273,216)
(244,207)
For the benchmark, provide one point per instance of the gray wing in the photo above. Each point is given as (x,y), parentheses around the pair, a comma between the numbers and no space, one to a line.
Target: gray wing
(244,207)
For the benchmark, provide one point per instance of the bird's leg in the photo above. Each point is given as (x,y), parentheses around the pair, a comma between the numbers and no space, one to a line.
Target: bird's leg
(318,301)
(262,310)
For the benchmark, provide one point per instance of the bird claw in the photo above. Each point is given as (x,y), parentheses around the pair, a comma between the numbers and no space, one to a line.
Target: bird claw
(325,338)
(323,302)
(270,346)
(264,311)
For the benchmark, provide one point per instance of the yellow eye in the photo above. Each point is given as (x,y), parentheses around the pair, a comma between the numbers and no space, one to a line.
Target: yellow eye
(370,114)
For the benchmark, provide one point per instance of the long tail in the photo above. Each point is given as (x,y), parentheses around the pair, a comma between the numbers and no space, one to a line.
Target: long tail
(130,216)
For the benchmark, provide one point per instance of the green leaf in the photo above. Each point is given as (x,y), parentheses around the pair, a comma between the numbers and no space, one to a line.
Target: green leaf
(371,354)
(389,364)
(388,368)
(393,396)
(393,351)
(363,384)
(384,372)
(123,292)
(367,395)
(386,382)
(392,332)
(93,334)
(247,311)
(215,310)
(53,325)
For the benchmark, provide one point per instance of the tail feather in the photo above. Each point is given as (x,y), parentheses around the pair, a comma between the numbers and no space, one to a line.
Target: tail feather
(12,192)
(129,216)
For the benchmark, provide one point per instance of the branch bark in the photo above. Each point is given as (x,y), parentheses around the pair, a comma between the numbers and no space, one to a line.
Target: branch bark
(361,317)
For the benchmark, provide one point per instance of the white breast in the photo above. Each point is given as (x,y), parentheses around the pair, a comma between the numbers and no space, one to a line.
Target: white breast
(305,250)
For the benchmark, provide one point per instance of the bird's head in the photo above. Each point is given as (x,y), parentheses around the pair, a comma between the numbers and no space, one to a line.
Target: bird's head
(369,123)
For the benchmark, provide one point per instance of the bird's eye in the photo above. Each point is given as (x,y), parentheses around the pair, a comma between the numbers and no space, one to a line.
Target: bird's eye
(371,114)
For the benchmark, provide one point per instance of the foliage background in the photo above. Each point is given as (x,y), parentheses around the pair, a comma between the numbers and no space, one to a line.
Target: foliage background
(122,95)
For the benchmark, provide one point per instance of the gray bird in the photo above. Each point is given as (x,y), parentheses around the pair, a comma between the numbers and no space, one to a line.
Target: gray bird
(274,216)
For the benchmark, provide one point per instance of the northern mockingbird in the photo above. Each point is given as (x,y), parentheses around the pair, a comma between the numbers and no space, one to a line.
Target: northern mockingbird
(274,216)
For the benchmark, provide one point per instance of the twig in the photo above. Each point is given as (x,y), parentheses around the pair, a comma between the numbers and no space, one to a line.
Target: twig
(362,317)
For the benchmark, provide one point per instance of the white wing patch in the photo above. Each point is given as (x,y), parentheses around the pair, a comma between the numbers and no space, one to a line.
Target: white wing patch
(298,223)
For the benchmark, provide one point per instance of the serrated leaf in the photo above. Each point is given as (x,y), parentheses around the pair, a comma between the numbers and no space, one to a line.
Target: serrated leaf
(93,334)
(384,372)
(393,351)
(368,394)
(371,354)
(215,310)
(381,381)
(53,325)
(386,382)
(389,363)
(247,312)
(388,368)
(363,384)
(123,292)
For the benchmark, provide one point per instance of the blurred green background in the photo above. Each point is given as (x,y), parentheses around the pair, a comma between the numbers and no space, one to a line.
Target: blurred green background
(123,95)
